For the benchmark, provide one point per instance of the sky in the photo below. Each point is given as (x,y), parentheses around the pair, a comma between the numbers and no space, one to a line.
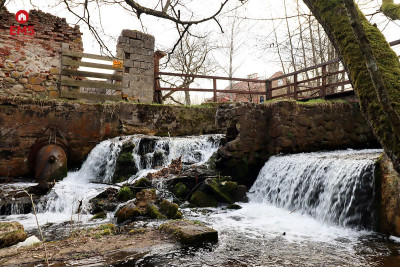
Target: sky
(254,56)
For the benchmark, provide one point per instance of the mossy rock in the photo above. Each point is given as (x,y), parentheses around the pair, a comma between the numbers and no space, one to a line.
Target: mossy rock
(180,189)
(202,200)
(170,210)
(142,182)
(240,193)
(99,216)
(154,213)
(219,194)
(234,207)
(11,233)
(229,186)
(127,147)
(190,233)
(125,194)
(125,167)
(128,212)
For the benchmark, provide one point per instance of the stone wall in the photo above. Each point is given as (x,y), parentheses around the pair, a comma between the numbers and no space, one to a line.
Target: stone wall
(256,132)
(137,50)
(30,64)
(79,127)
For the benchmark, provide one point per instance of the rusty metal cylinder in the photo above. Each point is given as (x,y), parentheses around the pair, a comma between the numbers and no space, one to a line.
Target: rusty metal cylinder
(51,164)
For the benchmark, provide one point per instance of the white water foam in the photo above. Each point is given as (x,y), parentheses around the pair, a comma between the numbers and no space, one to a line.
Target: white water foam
(71,195)
(333,187)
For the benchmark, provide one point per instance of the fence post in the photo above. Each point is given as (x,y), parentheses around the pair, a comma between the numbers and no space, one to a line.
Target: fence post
(323,90)
(157,97)
(268,87)
(215,89)
(295,87)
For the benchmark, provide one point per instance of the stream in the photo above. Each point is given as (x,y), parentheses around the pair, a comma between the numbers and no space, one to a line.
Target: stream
(309,209)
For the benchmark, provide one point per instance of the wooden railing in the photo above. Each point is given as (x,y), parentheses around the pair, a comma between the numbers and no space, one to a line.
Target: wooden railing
(327,79)
(76,85)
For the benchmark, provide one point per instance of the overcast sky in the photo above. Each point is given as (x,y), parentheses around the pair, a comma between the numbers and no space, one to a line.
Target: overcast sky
(250,60)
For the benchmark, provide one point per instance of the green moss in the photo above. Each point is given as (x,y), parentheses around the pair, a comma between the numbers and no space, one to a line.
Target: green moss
(229,186)
(125,194)
(127,213)
(154,213)
(201,199)
(137,231)
(390,9)
(99,216)
(108,226)
(168,209)
(180,189)
(220,194)
(142,182)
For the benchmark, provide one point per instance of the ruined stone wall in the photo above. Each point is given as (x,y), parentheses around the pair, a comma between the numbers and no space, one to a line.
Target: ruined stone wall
(137,50)
(256,132)
(30,64)
(26,121)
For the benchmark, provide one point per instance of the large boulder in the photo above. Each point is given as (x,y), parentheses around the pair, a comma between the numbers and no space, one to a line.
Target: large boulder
(11,233)
(148,204)
(125,165)
(190,233)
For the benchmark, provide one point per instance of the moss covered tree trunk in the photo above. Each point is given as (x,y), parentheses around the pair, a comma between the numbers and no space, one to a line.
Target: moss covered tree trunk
(333,16)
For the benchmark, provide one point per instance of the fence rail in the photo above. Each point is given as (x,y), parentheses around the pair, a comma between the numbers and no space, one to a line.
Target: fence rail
(76,84)
(327,79)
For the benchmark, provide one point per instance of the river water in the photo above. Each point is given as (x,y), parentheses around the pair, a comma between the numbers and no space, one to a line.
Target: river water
(311,209)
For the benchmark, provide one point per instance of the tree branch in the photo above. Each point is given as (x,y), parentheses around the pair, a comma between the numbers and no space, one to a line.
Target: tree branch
(390,9)
(144,10)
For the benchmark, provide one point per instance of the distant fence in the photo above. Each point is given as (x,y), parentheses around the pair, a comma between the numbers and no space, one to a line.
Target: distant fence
(328,79)
(75,84)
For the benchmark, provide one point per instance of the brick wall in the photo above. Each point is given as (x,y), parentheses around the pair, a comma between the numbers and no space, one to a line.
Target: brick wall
(30,64)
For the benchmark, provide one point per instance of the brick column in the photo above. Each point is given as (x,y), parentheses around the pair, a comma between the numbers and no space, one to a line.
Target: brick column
(137,50)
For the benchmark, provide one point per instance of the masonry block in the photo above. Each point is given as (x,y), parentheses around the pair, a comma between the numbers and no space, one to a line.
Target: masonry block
(138,51)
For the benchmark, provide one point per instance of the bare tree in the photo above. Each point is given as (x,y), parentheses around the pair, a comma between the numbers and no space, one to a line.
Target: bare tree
(192,57)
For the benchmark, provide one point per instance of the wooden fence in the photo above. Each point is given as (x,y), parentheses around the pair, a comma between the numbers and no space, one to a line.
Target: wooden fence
(75,84)
(324,80)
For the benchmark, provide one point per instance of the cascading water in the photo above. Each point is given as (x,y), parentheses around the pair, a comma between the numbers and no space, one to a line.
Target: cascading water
(330,186)
(72,194)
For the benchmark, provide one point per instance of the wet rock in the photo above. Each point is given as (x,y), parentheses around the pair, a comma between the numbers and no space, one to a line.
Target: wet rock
(148,204)
(239,194)
(125,166)
(219,193)
(180,189)
(233,207)
(14,200)
(11,233)
(170,210)
(202,200)
(128,212)
(172,169)
(105,201)
(99,216)
(125,194)
(190,233)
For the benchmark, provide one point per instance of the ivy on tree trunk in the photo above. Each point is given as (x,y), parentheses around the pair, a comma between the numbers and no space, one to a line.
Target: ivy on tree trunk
(333,16)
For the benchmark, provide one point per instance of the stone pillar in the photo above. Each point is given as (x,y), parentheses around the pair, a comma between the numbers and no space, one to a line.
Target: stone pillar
(137,50)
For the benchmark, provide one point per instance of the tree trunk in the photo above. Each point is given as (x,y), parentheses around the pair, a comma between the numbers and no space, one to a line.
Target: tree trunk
(333,17)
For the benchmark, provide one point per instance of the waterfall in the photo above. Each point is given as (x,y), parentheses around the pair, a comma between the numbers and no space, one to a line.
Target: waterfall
(333,187)
(74,192)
